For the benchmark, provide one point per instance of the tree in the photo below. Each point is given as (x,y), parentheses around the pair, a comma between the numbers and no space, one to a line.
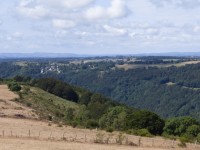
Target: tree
(180,126)
(193,130)
(115,118)
(146,120)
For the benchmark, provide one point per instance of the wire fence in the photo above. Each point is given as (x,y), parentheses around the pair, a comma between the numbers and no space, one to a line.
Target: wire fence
(100,138)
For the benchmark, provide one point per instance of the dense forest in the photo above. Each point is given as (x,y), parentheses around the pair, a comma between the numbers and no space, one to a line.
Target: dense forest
(168,91)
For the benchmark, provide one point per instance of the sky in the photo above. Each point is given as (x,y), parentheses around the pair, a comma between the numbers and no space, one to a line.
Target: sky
(99,26)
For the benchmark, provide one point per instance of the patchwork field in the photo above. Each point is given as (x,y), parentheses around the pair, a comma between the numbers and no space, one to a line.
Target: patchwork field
(135,66)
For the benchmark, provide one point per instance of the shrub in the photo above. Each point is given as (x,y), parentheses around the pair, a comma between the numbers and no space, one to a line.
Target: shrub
(198,137)
(92,124)
(120,138)
(74,124)
(183,141)
(142,132)
(99,138)
(110,129)
(14,87)
(193,130)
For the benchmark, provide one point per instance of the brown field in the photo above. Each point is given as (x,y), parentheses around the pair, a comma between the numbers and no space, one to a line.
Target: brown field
(8,108)
(25,144)
(135,66)
(33,134)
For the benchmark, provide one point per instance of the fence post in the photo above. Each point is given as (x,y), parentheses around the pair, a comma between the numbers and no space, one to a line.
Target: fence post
(29,133)
(139,142)
(85,138)
(39,136)
(64,135)
(173,143)
(50,135)
(196,144)
(127,142)
(11,133)
(152,142)
(3,133)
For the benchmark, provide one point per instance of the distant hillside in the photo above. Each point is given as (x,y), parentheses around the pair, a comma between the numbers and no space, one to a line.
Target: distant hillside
(39,55)
(71,55)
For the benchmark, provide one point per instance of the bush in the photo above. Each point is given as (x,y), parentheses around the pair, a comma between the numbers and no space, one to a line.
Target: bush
(120,138)
(110,129)
(14,87)
(180,126)
(99,138)
(193,130)
(142,132)
(183,141)
(198,137)
(74,124)
(92,124)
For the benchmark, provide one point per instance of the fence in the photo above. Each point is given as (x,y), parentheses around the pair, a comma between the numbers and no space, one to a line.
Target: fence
(99,137)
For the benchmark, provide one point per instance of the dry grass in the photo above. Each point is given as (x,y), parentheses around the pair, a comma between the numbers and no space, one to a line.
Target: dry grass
(6,94)
(8,108)
(33,134)
(24,144)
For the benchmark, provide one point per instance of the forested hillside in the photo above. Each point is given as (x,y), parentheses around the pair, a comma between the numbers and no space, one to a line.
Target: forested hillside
(158,84)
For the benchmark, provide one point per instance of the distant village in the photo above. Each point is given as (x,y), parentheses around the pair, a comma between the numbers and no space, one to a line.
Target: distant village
(52,67)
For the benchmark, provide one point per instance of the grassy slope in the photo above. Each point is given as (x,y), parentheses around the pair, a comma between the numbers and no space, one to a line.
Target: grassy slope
(47,105)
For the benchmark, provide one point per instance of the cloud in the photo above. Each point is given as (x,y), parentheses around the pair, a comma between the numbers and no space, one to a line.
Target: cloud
(180,3)
(196,29)
(68,4)
(63,24)
(115,31)
(35,12)
(16,36)
(117,9)
(152,31)
(37,9)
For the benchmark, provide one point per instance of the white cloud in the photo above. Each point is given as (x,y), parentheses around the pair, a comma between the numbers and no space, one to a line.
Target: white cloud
(152,31)
(180,3)
(196,29)
(68,4)
(63,24)
(115,31)
(117,9)
(36,12)
(16,36)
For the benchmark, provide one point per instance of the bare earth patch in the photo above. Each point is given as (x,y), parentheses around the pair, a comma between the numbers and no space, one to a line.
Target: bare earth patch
(9,108)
